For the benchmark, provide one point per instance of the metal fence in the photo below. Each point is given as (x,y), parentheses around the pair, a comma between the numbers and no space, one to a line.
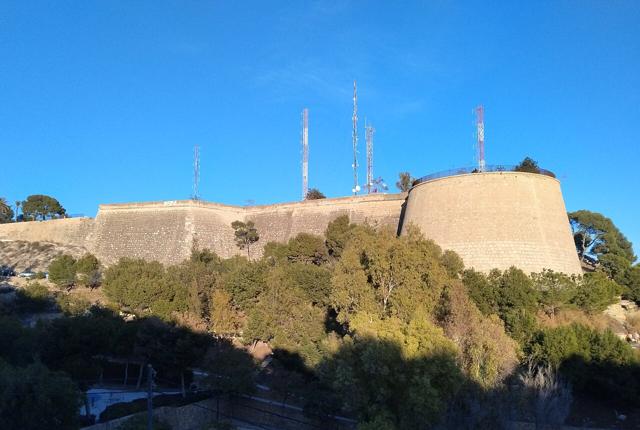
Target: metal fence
(467,170)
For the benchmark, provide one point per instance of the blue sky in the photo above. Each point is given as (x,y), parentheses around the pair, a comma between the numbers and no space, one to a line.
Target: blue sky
(103,101)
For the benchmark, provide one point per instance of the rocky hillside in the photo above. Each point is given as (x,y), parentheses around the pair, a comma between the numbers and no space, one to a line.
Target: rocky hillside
(21,255)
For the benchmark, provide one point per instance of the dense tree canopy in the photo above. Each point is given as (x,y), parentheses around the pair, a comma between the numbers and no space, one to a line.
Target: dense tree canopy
(34,398)
(389,329)
(42,207)
(528,165)
(314,194)
(405,181)
(142,286)
(6,212)
(597,236)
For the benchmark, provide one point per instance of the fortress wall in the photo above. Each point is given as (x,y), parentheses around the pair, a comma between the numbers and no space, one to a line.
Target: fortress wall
(279,223)
(66,231)
(161,231)
(211,227)
(166,231)
(497,220)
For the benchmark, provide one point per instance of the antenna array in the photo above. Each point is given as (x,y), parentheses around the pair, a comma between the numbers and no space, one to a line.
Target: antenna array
(354,135)
(480,128)
(196,172)
(305,152)
(369,130)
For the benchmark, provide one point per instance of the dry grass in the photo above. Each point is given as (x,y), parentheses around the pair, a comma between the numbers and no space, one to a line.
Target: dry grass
(633,322)
(21,254)
(570,316)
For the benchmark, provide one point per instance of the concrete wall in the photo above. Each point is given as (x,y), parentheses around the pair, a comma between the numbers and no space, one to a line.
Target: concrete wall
(66,231)
(497,220)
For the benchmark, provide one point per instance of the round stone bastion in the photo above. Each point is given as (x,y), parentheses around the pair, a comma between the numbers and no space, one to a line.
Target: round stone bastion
(496,220)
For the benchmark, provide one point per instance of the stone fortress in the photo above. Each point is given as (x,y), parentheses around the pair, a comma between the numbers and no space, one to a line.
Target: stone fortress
(492,220)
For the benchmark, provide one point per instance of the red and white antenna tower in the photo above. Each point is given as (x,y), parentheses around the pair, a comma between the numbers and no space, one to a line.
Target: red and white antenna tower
(305,152)
(480,126)
(369,130)
(354,136)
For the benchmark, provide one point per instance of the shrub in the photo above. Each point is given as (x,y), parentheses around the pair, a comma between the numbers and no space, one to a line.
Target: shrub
(62,271)
(452,262)
(596,363)
(144,287)
(596,292)
(527,165)
(88,271)
(307,248)
(338,233)
(34,398)
(33,298)
(72,305)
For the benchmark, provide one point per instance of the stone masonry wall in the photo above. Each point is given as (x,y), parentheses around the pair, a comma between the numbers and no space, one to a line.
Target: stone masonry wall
(167,231)
(497,220)
(66,231)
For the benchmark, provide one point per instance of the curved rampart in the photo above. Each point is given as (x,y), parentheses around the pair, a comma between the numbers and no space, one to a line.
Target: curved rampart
(496,220)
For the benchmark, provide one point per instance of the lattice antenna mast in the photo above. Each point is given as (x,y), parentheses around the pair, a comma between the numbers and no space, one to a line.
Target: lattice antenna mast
(354,135)
(196,172)
(369,130)
(305,152)
(480,127)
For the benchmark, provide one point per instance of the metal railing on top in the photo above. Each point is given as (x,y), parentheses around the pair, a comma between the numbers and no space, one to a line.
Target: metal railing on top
(467,170)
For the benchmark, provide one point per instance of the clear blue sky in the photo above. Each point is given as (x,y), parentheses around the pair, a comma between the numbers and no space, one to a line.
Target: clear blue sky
(103,101)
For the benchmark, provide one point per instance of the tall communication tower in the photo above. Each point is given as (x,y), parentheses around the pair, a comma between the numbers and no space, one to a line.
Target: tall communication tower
(369,130)
(356,187)
(480,127)
(305,152)
(196,172)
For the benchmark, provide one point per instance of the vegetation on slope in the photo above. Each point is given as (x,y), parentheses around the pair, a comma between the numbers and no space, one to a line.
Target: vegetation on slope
(387,329)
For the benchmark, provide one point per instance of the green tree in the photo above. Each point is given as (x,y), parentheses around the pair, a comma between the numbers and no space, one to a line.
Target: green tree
(34,297)
(244,280)
(284,317)
(528,165)
(556,290)
(307,248)
(596,235)
(143,286)
(62,271)
(596,292)
(42,207)
(224,318)
(452,262)
(33,398)
(230,370)
(632,281)
(88,271)
(405,181)
(393,373)
(246,235)
(6,213)
(385,275)
(338,233)
(485,353)
(483,293)
(314,194)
